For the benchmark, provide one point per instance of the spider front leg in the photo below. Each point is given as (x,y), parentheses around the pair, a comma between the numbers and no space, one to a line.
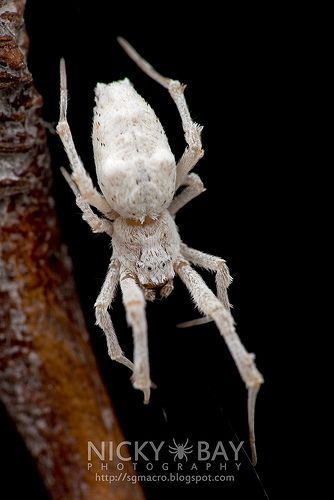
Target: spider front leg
(134,303)
(210,305)
(85,185)
(192,131)
(223,278)
(103,319)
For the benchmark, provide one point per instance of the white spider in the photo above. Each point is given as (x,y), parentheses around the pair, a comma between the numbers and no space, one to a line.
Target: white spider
(138,178)
(181,450)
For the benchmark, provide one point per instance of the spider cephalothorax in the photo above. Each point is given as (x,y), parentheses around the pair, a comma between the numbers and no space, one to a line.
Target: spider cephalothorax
(138,177)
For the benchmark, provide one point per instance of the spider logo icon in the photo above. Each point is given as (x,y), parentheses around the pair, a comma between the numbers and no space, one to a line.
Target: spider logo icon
(180,451)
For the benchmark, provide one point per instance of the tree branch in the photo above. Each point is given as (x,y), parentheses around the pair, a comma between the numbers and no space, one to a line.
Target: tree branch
(49,380)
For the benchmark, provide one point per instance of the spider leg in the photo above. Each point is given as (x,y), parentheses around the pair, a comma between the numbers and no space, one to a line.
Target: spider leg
(192,131)
(194,187)
(103,319)
(223,278)
(210,305)
(96,223)
(134,303)
(79,175)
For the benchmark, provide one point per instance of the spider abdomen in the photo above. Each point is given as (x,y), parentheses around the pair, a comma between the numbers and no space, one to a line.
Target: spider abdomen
(134,163)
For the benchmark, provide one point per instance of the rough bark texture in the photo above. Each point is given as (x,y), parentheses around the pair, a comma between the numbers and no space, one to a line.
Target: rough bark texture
(49,380)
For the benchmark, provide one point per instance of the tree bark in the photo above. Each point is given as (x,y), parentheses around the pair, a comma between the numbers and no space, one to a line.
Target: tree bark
(49,380)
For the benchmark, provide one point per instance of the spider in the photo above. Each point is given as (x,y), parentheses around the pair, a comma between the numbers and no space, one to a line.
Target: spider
(180,450)
(138,178)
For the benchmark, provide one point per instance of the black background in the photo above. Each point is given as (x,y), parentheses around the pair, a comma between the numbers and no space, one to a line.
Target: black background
(237,75)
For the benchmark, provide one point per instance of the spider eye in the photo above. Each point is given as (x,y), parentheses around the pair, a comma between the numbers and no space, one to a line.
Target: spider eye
(149,268)
(163,264)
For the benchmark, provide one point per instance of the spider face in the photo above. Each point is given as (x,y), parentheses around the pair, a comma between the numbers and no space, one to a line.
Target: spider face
(154,269)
